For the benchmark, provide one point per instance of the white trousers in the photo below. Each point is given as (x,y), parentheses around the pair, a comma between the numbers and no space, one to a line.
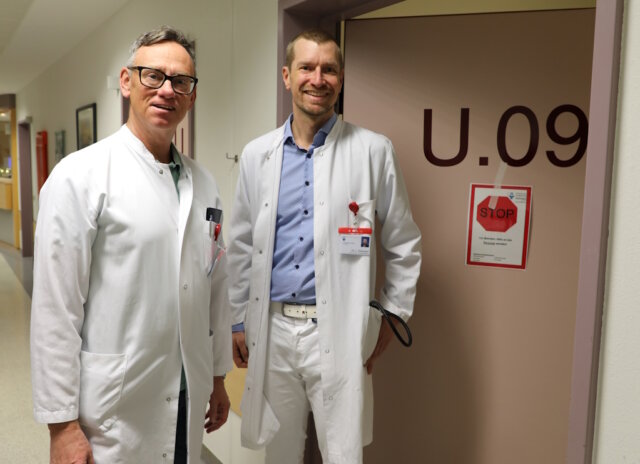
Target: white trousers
(292,386)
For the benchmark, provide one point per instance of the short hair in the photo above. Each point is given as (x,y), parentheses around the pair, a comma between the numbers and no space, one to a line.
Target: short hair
(162,34)
(315,35)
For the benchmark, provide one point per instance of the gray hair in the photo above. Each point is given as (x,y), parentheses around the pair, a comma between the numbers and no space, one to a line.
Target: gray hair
(162,34)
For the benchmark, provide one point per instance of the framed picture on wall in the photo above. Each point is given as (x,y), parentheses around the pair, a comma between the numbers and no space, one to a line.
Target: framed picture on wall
(86,131)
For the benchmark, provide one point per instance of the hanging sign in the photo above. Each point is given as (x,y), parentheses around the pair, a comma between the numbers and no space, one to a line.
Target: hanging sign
(498,226)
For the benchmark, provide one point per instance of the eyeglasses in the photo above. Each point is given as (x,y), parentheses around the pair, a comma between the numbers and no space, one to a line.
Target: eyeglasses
(154,79)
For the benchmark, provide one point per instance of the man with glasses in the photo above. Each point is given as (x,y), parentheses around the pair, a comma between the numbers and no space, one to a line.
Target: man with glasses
(130,332)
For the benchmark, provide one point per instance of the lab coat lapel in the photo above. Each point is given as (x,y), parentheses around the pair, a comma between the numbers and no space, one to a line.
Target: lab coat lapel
(185,186)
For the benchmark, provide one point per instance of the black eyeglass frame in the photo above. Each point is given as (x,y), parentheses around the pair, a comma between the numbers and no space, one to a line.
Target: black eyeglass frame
(166,78)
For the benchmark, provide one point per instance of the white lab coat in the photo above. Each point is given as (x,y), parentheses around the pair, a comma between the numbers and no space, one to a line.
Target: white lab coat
(354,164)
(122,299)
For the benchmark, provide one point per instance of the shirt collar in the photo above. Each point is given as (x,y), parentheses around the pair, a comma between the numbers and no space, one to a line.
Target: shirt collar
(175,161)
(318,139)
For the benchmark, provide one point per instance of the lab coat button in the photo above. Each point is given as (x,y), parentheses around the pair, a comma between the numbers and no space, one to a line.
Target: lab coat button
(160,171)
(327,351)
(324,301)
(266,204)
(164,455)
(168,400)
(331,398)
(185,286)
(322,253)
(322,203)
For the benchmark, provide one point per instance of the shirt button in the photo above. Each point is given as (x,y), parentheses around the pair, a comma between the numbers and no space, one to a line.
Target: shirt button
(301,239)
(306,211)
(306,182)
(308,155)
(297,266)
(293,295)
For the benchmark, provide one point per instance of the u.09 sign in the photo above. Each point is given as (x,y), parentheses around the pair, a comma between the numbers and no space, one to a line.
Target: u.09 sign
(578,138)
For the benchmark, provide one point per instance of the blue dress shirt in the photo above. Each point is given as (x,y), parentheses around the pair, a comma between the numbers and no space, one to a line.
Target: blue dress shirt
(293,272)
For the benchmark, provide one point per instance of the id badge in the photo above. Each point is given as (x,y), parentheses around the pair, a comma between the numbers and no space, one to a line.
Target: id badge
(355,240)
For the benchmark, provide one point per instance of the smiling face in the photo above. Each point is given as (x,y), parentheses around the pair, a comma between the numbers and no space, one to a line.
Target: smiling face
(154,114)
(314,79)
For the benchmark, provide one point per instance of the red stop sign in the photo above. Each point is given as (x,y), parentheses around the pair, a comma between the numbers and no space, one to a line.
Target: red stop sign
(501,218)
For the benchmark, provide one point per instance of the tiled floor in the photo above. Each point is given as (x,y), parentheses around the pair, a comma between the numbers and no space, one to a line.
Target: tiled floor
(21,438)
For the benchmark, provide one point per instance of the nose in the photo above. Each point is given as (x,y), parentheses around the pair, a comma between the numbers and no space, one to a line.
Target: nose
(316,76)
(166,88)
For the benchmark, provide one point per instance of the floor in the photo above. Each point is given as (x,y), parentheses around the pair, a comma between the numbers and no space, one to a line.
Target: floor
(21,438)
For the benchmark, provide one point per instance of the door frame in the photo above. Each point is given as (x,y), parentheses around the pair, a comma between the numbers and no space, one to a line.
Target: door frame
(26,187)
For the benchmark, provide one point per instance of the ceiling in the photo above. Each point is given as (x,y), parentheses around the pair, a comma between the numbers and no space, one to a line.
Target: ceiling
(34,34)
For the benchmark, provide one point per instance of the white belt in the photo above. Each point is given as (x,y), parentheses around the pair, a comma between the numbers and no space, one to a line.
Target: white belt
(294,310)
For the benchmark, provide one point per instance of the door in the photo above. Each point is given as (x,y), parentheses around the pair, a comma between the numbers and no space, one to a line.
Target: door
(489,376)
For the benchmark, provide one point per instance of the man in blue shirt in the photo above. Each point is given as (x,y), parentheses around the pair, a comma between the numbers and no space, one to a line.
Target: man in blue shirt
(308,197)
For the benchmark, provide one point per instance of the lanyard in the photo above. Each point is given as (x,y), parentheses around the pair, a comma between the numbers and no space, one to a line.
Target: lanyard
(388,315)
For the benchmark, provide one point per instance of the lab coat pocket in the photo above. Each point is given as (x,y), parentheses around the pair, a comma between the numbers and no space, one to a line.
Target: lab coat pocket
(101,380)
(365,216)
(213,249)
(370,334)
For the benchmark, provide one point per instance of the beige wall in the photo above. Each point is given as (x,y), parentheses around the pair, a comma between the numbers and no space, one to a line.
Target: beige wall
(488,379)
(618,414)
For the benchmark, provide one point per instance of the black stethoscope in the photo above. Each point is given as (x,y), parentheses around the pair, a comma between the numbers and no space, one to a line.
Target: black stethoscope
(388,315)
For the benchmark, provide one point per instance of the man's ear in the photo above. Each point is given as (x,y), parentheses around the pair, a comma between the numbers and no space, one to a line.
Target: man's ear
(125,82)
(286,74)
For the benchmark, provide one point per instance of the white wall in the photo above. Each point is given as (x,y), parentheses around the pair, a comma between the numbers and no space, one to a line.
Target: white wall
(618,416)
(236,66)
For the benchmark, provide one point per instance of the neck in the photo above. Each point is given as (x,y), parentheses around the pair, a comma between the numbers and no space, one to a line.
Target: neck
(304,128)
(158,144)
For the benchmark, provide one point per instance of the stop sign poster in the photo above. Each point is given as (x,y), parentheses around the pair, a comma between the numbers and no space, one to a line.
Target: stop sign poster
(498,228)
